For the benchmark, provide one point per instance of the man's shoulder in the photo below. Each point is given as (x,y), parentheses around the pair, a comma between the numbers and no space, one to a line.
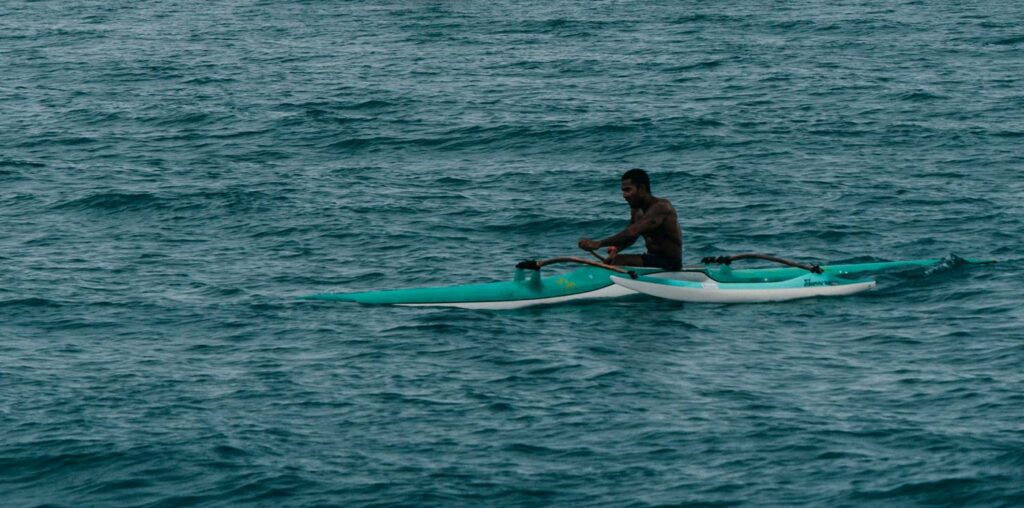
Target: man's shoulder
(664,205)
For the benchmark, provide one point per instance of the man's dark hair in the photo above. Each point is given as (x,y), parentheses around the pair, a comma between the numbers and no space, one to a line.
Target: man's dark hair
(639,178)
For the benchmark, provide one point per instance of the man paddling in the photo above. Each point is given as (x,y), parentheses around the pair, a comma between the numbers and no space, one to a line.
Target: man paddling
(651,217)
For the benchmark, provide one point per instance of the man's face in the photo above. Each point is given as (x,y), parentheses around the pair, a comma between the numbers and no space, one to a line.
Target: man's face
(630,191)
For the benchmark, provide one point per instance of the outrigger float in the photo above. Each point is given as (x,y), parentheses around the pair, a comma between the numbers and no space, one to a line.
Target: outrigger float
(598,279)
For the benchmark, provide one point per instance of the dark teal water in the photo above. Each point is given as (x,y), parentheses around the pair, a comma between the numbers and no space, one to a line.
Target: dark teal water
(173,174)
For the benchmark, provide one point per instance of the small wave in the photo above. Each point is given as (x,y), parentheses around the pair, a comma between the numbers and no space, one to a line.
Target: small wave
(14,163)
(1008,41)
(705,64)
(29,302)
(442,329)
(500,407)
(702,18)
(239,134)
(51,140)
(552,369)
(839,455)
(544,224)
(605,374)
(206,80)
(77,455)
(794,24)
(368,143)
(945,490)
(127,484)
(950,262)
(887,339)
(112,202)
(529,449)
(229,452)
(335,113)
(235,199)
(507,137)
(128,201)
(445,181)
(919,96)
(280,232)
(411,399)
(185,118)
(368,104)
(1008,134)
(559,27)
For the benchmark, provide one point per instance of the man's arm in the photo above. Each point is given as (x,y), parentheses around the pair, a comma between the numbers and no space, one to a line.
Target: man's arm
(651,220)
(622,239)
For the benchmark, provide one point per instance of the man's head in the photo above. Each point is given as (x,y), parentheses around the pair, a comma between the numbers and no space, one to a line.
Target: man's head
(636,186)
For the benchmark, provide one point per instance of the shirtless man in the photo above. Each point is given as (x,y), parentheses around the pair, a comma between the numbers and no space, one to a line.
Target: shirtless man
(651,217)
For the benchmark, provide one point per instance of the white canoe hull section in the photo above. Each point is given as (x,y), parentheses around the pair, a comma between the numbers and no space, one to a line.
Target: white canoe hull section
(712,292)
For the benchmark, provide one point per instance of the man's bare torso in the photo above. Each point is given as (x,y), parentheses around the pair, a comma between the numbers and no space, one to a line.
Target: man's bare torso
(667,239)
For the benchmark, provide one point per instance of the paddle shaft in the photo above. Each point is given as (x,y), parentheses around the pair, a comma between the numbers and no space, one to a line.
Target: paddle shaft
(536,265)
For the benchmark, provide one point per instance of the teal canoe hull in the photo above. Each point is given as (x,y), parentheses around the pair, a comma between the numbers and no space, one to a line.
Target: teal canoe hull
(524,290)
(531,288)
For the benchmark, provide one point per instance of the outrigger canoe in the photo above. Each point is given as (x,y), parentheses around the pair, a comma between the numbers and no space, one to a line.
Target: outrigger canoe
(599,280)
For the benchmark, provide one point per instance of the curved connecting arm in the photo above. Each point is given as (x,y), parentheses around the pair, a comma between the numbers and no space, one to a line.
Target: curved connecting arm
(725,260)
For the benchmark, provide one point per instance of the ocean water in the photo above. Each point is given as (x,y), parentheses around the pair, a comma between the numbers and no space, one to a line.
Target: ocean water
(174,174)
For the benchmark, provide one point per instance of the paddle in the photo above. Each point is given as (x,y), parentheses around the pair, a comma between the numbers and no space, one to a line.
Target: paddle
(612,252)
(533,264)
